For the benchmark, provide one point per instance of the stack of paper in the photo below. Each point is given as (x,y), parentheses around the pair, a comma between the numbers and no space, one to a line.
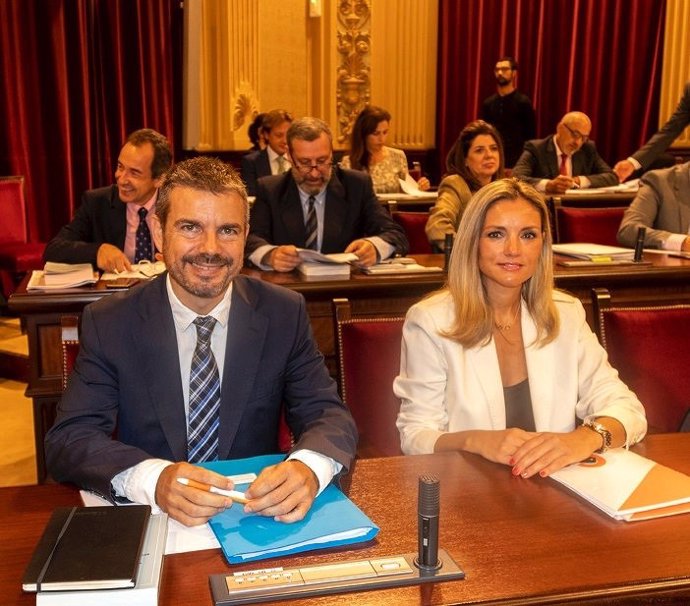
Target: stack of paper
(315,263)
(594,252)
(628,486)
(56,276)
(140,271)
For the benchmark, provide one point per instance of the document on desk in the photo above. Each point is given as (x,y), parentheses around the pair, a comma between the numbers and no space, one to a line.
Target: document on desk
(621,188)
(627,486)
(594,252)
(332,520)
(144,270)
(59,276)
(410,187)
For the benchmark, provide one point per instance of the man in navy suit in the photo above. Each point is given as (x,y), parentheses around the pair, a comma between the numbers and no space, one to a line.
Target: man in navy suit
(566,160)
(135,371)
(103,230)
(273,159)
(348,217)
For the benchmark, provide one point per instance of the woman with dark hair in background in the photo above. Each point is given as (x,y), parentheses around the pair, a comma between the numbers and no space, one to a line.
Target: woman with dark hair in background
(475,159)
(256,134)
(369,152)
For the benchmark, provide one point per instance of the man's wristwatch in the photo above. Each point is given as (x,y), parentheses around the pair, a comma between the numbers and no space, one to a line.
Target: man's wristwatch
(605,434)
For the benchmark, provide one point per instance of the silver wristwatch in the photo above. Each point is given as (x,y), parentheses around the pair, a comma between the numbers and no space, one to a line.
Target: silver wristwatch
(605,434)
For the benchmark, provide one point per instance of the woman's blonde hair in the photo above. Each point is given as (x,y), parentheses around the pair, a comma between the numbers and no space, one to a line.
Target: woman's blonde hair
(474,319)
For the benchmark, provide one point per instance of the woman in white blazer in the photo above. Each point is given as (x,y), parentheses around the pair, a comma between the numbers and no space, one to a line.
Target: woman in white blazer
(498,362)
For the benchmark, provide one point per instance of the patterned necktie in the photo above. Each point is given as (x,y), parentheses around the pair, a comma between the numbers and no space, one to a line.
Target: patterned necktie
(143,239)
(204,397)
(282,165)
(312,227)
(563,170)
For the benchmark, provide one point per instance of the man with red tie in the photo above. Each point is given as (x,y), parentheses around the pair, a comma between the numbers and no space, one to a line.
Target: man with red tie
(566,160)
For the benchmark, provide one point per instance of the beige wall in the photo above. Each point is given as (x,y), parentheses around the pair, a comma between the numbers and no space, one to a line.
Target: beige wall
(247,56)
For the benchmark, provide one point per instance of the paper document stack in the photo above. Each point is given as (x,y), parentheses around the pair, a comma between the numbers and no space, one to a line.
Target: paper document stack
(316,264)
(628,486)
(594,252)
(56,276)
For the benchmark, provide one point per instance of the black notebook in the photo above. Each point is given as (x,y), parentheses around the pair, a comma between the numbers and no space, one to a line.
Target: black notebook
(88,548)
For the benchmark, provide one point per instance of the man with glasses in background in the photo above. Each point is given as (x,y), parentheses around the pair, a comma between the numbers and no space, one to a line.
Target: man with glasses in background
(318,206)
(566,160)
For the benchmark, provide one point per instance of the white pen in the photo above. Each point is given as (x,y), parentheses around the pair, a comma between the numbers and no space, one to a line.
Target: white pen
(235,495)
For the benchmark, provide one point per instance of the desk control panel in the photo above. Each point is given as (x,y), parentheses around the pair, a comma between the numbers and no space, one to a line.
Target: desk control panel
(280,583)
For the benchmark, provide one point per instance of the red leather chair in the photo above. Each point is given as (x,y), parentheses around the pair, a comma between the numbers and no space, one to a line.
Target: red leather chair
(648,346)
(414,223)
(593,225)
(368,353)
(17,255)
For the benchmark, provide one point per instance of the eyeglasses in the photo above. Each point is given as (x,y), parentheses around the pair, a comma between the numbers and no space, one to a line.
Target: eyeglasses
(577,135)
(322,165)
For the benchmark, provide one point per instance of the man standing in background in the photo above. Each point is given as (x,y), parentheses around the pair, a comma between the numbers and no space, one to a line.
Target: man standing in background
(510,111)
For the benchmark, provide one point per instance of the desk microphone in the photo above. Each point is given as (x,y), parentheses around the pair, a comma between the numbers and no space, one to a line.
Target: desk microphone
(428,508)
(639,245)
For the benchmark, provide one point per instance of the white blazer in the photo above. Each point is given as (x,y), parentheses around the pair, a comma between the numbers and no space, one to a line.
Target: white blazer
(444,387)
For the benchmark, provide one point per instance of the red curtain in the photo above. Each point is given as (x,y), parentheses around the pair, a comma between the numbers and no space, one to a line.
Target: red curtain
(78,76)
(602,57)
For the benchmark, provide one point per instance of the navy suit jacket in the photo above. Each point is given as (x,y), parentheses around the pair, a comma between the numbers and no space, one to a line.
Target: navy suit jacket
(668,132)
(127,376)
(352,211)
(254,166)
(101,219)
(538,161)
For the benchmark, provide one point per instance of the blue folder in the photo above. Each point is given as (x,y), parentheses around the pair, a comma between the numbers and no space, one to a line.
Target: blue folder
(332,520)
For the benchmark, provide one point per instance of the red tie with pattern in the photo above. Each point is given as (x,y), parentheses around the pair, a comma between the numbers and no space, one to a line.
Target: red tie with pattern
(563,170)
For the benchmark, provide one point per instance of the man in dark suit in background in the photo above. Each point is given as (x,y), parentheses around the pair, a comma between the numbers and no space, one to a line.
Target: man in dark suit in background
(566,160)
(110,220)
(650,151)
(197,365)
(510,111)
(273,159)
(317,206)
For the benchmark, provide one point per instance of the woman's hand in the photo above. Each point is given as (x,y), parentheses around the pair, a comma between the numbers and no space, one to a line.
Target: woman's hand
(547,452)
(498,446)
(423,183)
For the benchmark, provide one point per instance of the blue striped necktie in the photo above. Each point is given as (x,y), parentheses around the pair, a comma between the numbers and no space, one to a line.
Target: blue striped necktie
(312,226)
(204,397)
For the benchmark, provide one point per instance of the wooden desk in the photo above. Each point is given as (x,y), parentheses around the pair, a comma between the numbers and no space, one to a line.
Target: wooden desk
(666,280)
(518,541)
(406,202)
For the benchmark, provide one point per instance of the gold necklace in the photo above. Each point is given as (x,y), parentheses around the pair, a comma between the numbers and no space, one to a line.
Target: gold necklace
(505,327)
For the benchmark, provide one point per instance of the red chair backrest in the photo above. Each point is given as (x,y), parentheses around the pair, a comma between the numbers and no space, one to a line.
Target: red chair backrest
(414,224)
(648,347)
(368,361)
(594,225)
(12,210)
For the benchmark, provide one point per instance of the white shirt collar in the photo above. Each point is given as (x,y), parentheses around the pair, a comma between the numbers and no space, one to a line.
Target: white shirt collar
(183,316)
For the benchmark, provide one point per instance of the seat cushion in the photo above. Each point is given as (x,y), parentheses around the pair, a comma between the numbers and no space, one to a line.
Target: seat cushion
(21,257)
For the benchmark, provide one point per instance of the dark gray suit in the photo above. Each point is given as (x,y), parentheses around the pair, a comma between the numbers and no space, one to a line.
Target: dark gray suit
(255,166)
(127,376)
(538,161)
(662,206)
(352,211)
(101,219)
(668,132)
